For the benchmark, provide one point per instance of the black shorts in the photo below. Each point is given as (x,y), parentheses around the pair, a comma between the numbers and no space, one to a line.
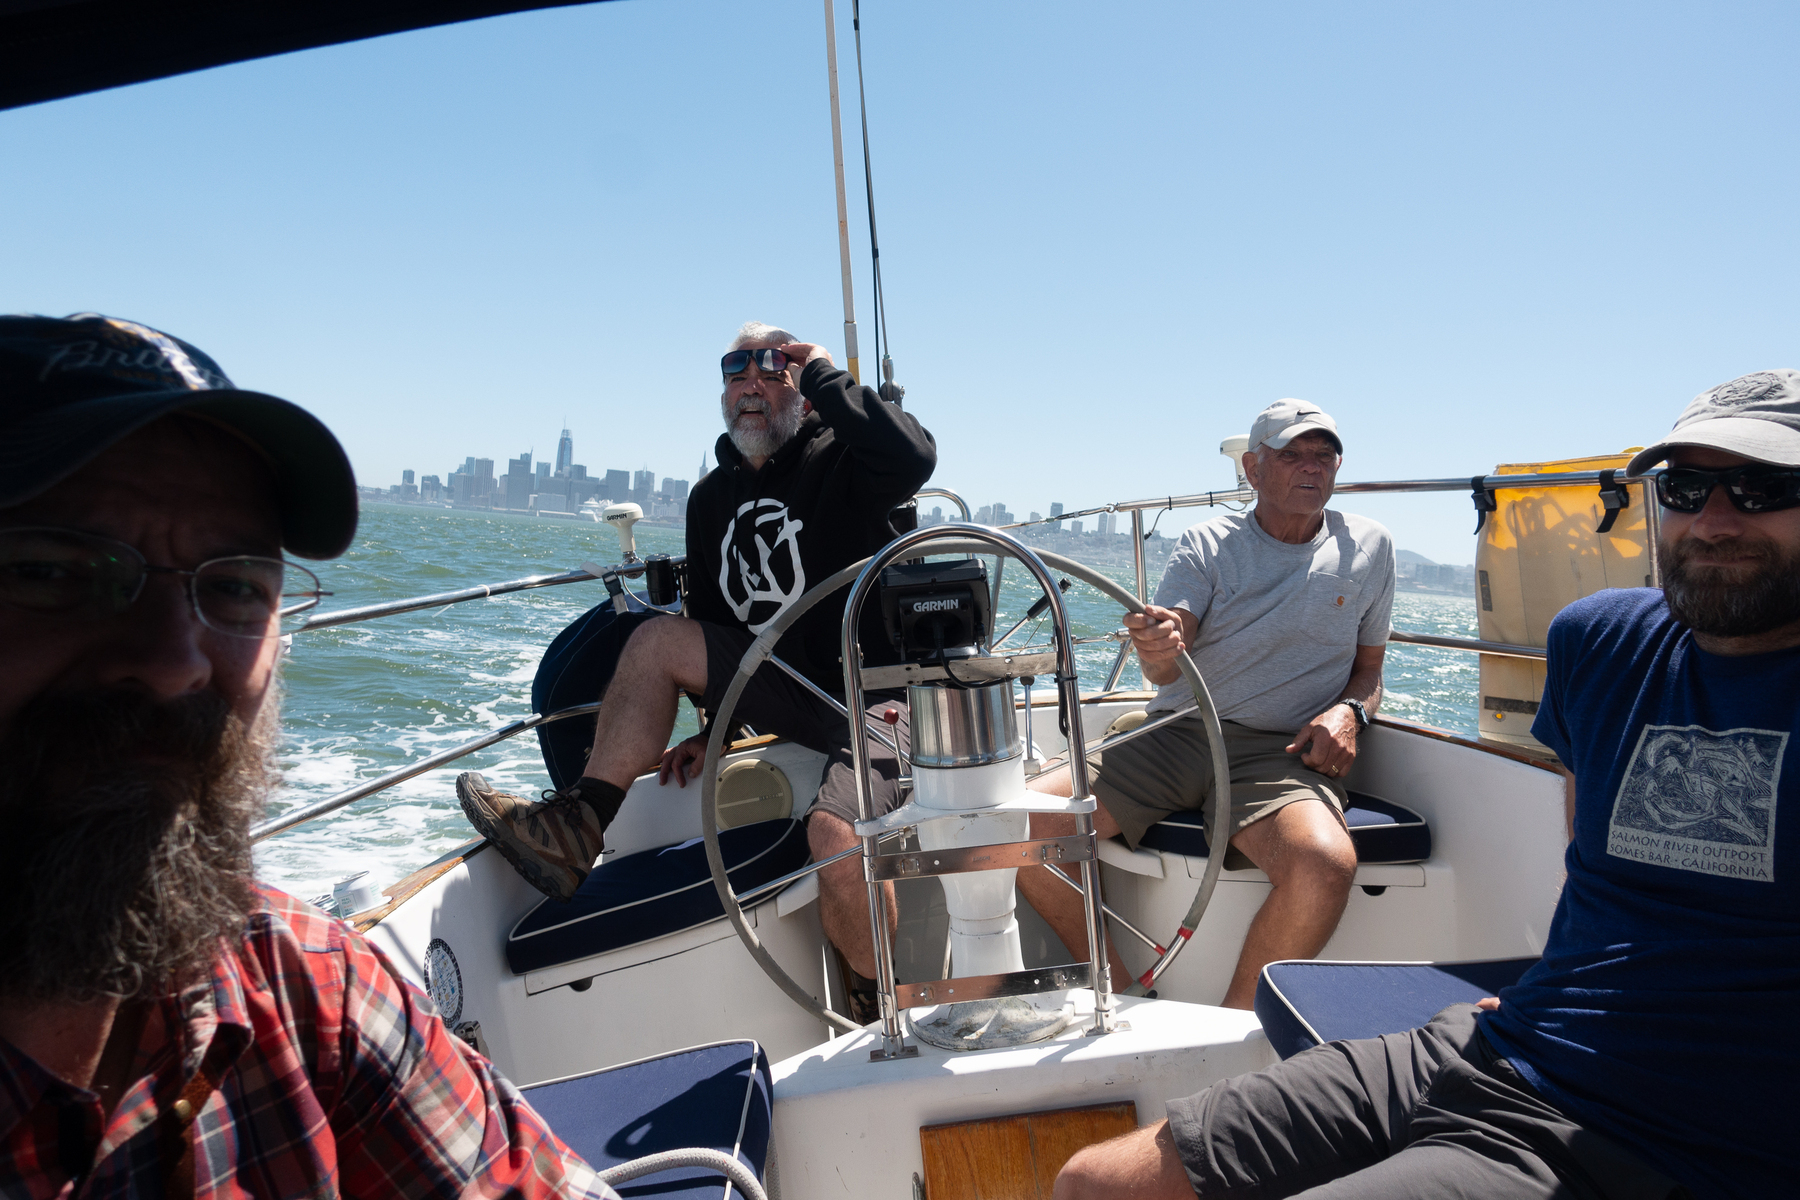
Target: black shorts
(1428,1113)
(773,702)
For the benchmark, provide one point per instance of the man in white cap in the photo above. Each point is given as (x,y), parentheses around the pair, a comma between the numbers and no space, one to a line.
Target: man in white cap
(1649,1055)
(1285,610)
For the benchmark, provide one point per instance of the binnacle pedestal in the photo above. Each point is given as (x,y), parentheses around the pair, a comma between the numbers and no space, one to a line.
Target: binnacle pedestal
(967,760)
(968,789)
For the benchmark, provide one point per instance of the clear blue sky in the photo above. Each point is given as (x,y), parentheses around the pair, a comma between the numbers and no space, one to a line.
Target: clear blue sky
(1475,233)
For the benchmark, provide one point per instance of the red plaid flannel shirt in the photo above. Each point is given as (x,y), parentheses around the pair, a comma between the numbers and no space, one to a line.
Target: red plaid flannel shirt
(335,1077)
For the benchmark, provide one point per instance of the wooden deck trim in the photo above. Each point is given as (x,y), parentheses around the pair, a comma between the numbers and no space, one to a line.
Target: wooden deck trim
(399,893)
(1400,725)
(1015,1157)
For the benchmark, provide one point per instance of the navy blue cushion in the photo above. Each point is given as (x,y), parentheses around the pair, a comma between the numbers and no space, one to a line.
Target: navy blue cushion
(1304,1004)
(716,1096)
(1382,832)
(652,893)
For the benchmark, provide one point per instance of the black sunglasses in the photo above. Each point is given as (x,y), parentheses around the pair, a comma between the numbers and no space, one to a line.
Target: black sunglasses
(1751,489)
(767,359)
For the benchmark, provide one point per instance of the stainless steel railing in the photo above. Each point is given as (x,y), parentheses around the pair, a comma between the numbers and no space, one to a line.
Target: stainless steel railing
(345,616)
(631,570)
(362,791)
(1471,484)
(1502,649)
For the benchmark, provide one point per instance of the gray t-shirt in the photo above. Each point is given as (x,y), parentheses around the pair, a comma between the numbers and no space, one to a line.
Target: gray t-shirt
(1279,623)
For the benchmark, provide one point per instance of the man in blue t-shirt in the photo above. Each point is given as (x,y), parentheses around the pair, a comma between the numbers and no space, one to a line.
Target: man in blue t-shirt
(1648,1054)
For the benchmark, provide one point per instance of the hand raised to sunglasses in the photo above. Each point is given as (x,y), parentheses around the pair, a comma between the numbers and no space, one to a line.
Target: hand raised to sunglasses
(805,352)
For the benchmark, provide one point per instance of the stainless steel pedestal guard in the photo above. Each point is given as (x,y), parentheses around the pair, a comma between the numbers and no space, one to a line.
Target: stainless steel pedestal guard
(1068,685)
(763,648)
(923,864)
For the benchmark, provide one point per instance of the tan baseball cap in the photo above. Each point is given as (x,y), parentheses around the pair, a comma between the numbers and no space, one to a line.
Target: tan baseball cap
(1285,420)
(1756,416)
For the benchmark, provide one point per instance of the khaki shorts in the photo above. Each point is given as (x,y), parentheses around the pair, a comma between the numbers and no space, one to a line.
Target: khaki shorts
(1169,770)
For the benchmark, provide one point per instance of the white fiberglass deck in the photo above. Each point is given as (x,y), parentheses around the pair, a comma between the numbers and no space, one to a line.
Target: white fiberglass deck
(846,1126)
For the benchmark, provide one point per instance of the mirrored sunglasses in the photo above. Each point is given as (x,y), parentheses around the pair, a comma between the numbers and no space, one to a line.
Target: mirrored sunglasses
(1751,489)
(768,360)
(83,575)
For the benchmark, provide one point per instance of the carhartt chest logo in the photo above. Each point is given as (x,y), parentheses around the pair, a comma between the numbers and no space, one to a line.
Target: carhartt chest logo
(760,572)
(1340,602)
(1701,801)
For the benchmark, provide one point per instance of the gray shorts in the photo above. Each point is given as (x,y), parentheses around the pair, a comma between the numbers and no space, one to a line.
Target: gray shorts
(772,702)
(1169,770)
(1428,1113)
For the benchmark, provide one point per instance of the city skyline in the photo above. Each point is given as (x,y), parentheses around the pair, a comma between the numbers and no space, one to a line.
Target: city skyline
(540,486)
(531,484)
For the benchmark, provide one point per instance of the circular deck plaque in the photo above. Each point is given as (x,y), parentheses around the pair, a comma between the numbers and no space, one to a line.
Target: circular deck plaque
(443,980)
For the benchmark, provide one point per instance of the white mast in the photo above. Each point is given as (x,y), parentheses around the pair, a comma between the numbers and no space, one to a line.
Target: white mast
(837,161)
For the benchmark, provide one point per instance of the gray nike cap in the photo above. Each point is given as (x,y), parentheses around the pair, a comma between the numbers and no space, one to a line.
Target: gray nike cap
(1285,420)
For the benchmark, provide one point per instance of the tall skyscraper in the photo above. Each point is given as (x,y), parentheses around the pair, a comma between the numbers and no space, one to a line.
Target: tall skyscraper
(565,454)
(1056,510)
(518,483)
(702,474)
(643,483)
(618,485)
(543,471)
(406,477)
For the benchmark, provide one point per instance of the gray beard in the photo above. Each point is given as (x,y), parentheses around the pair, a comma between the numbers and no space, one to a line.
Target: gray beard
(121,873)
(1708,600)
(784,423)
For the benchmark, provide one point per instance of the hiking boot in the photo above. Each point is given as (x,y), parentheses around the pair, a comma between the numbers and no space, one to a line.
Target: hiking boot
(862,1002)
(865,1005)
(552,842)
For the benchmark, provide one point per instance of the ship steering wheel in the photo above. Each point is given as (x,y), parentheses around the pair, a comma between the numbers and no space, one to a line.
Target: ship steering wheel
(764,647)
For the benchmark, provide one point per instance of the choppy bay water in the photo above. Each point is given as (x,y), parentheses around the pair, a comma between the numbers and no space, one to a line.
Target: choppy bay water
(362,700)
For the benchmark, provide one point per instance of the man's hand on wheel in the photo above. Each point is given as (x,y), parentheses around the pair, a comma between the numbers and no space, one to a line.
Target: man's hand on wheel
(1155,635)
(1327,743)
(683,760)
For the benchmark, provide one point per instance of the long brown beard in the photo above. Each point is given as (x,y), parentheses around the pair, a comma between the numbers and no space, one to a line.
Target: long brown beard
(1723,602)
(126,855)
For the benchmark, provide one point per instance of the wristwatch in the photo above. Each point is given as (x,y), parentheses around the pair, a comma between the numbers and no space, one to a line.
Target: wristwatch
(1362,714)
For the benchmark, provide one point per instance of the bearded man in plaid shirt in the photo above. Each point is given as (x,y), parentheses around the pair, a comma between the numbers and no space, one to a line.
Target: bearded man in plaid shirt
(168,1027)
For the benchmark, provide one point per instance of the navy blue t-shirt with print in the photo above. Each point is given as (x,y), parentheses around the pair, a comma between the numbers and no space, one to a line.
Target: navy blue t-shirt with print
(1664,1010)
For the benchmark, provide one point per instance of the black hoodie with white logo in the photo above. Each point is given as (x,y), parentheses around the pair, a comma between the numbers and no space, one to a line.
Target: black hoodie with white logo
(757,540)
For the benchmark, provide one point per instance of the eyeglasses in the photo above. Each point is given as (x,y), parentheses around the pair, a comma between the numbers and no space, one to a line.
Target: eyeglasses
(767,359)
(1751,489)
(82,575)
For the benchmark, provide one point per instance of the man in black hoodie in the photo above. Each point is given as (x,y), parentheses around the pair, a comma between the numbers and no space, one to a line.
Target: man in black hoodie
(808,478)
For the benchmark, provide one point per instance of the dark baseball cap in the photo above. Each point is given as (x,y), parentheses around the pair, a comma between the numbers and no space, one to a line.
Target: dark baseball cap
(72,386)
